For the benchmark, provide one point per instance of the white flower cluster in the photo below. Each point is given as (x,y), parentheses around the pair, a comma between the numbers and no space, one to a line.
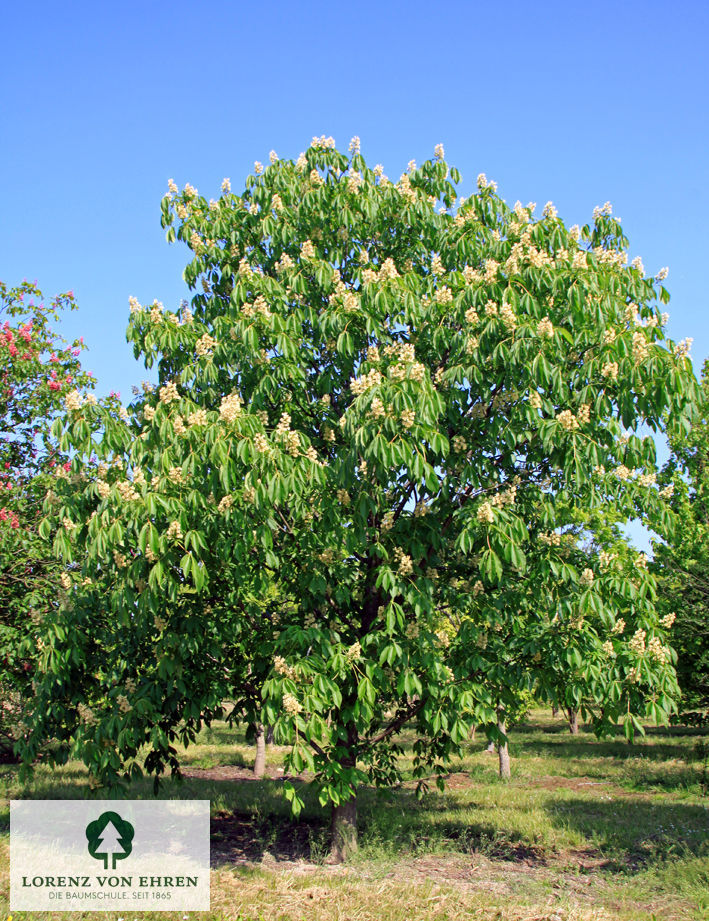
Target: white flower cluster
(437,265)
(444,295)
(408,417)
(605,560)
(505,497)
(535,400)
(225,504)
(176,475)
(637,643)
(404,563)
(657,651)
(205,345)
(323,142)
(388,521)
(485,183)
(388,269)
(404,185)
(73,400)
(198,417)
(618,627)
(601,210)
(284,263)
(261,443)
(343,497)
(508,317)
(459,444)
(168,393)
(485,514)
(354,181)
(230,407)
(126,490)
(174,531)
(608,649)
(120,559)
(360,385)
(668,620)
(567,419)
(550,538)
(587,577)
(545,328)
(662,274)
(641,346)
(610,370)
(682,348)
(647,479)
(291,705)
(376,409)
(307,250)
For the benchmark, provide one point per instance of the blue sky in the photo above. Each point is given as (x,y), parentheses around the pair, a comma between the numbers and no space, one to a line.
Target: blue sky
(101,103)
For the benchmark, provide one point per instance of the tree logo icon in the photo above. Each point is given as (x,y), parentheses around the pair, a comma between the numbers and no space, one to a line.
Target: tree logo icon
(110,838)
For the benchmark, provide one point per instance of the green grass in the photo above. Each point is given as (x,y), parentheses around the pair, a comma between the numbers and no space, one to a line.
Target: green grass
(585,829)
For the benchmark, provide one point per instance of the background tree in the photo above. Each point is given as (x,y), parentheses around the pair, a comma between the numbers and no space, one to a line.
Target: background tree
(682,560)
(38,369)
(374,393)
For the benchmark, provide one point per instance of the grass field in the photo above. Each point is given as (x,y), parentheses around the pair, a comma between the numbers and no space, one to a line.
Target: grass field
(584,830)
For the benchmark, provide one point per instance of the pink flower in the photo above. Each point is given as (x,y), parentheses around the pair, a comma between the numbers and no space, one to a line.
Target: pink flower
(53,385)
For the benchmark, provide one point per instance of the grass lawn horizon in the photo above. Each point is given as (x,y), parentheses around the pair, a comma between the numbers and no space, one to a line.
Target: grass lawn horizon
(585,829)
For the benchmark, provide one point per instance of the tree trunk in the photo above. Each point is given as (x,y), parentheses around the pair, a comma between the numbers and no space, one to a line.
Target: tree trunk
(573,716)
(471,734)
(554,712)
(260,762)
(269,735)
(490,747)
(344,831)
(503,752)
(343,828)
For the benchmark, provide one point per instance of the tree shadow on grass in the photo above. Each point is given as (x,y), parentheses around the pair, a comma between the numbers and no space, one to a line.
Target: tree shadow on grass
(586,745)
(252,821)
(633,832)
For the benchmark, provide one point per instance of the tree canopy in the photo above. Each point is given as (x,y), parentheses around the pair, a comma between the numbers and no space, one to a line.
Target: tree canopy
(381,406)
(38,368)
